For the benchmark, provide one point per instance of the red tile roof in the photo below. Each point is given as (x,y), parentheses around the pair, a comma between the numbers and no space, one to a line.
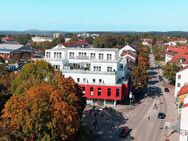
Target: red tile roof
(176,59)
(125,52)
(183,90)
(177,50)
(8,39)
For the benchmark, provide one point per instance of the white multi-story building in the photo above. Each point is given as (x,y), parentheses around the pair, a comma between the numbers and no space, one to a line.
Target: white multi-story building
(100,72)
(42,39)
(184,120)
(181,79)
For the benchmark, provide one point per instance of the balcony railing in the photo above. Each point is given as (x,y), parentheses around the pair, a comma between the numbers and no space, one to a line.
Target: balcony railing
(54,59)
(82,57)
(72,57)
(82,71)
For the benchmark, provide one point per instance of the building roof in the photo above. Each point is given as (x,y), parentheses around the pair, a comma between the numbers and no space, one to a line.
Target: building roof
(10,46)
(76,43)
(184,68)
(183,90)
(128,52)
(172,50)
(180,58)
(8,39)
(62,47)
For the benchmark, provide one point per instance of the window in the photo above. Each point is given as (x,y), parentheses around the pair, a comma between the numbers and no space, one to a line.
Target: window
(83,90)
(178,85)
(109,68)
(84,79)
(47,54)
(71,54)
(100,80)
(109,56)
(179,76)
(92,56)
(117,92)
(99,68)
(109,92)
(100,56)
(121,66)
(93,80)
(96,68)
(78,79)
(91,91)
(99,91)
(57,67)
(55,54)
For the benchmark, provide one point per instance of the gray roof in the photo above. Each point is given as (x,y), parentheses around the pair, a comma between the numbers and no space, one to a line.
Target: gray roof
(7,48)
(61,47)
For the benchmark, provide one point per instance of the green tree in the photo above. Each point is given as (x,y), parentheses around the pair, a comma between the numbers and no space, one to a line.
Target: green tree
(23,39)
(170,70)
(139,77)
(89,40)
(58,40)
(32,74)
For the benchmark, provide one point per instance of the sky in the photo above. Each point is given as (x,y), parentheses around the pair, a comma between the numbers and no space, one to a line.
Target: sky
(94,15)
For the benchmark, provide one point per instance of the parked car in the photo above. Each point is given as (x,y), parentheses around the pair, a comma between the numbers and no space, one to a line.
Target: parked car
(124,132)
(166,89)
(161,115)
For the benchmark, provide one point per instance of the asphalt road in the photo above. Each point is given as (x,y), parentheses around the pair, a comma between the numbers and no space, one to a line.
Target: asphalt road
(136,117)
(143,118)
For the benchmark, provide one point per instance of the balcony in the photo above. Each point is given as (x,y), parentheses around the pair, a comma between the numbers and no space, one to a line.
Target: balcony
(53,59)
(82,57)
(72,57)
(85,71)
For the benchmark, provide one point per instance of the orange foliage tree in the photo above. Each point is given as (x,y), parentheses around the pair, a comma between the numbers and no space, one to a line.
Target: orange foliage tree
(50,110)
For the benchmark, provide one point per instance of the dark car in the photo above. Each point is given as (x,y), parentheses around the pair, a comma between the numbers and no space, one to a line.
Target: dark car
(124,132)
(161,115)
(166,89)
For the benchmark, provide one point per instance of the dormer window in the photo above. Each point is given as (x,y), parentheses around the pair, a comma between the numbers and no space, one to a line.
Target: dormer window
(181,60)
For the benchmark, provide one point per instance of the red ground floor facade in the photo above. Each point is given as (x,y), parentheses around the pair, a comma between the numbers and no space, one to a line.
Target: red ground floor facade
(105,93)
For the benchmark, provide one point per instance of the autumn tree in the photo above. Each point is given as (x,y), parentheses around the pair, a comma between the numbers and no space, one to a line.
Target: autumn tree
(170,70)
(49,108)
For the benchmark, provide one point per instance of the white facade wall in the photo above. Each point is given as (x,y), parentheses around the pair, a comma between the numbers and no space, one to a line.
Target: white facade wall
(184,121)
(84,69)
(184,124)
(93,78)
(181,80)
(168,58)
(42,39)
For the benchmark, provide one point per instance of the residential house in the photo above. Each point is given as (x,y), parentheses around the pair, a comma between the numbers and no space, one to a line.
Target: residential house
(184,114)
(181,79)
(176,53)
(42,39)
(14,51)
(147,42)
